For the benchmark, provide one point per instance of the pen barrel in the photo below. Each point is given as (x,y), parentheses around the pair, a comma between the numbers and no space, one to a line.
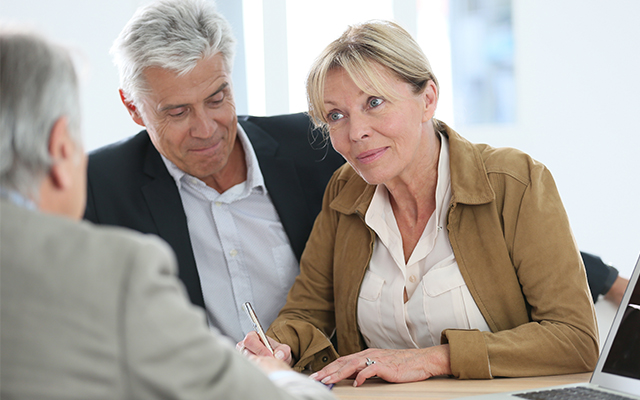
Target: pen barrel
(257,326)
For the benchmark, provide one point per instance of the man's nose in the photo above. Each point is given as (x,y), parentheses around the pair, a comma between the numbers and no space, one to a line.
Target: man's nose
(203,125)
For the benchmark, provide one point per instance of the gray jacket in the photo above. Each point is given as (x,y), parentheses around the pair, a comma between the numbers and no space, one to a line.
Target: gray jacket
(97,313)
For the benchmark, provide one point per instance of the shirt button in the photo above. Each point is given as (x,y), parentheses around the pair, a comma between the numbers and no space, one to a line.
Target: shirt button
(233,253)
(412,279)
(218,204)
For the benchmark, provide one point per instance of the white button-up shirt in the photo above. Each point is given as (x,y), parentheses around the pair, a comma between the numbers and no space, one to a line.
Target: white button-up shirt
(241,249)
(438,297)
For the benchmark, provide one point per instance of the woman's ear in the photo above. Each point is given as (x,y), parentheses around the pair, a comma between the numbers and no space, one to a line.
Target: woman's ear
(430,96)
(131,108)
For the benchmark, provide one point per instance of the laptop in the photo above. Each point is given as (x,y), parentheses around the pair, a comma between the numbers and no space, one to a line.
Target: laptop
(617,373)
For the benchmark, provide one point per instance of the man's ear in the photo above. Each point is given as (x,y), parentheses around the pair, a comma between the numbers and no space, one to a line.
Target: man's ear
(61,151)
(133,110)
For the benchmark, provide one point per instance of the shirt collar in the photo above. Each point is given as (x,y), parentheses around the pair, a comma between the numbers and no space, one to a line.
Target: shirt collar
(17,198)
(255,180)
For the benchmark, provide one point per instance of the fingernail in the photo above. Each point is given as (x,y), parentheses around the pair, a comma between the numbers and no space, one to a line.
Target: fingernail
(314,375)
(355,384)
(326,379)
(280,355)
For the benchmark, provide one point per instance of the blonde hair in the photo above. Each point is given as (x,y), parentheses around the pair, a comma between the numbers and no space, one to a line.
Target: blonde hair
(358,51)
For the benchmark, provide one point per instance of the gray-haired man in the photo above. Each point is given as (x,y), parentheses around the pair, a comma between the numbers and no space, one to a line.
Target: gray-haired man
(235,197)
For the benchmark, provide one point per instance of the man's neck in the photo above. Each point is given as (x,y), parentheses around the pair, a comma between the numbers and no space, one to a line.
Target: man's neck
(233,173)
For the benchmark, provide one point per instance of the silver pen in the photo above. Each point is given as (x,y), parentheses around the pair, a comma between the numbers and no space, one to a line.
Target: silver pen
(256,325)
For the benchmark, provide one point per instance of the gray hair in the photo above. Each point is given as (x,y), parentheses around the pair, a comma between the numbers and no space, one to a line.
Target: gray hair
(173,35)
(38,86)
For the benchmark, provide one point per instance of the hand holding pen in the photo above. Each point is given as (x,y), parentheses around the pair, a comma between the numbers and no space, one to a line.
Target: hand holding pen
(256,342)
(257,326)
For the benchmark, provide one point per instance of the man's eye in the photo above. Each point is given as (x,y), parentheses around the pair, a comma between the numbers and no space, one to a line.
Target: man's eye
(217,99)
(178,112)
(335,116)
(375,102)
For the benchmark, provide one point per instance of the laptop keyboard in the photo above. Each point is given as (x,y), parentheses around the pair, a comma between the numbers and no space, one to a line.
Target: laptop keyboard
(571,393)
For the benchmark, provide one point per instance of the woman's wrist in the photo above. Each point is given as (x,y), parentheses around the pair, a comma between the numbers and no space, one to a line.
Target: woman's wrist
(438,360)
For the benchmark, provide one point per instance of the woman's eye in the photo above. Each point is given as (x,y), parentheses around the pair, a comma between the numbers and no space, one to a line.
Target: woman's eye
(375,102)
(335,116)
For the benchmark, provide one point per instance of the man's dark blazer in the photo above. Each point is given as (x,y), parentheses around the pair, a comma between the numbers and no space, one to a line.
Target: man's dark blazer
(129,185)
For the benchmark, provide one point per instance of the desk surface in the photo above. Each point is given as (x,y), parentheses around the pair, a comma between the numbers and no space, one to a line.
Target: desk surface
(446,388)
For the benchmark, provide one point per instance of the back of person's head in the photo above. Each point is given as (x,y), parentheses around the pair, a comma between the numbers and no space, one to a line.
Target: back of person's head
(172,35)
(359,50)
(38,86)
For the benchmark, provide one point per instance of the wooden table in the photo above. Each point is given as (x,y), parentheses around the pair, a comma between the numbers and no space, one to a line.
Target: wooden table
(446,388)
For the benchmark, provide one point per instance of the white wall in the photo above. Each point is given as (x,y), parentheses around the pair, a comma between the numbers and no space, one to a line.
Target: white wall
(89,27)
(577,64)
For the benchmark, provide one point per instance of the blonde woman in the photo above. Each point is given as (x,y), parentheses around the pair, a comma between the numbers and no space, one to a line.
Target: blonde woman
(431,255)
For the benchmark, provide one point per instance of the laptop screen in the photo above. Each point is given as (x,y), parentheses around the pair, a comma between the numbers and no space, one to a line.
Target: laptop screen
(619,364)
(624,355)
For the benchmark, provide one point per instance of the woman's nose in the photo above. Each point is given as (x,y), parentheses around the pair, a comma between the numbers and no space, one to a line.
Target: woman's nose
(359,128)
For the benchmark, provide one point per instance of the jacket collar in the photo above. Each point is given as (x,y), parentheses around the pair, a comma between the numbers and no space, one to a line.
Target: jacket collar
(469,181)
(356,194)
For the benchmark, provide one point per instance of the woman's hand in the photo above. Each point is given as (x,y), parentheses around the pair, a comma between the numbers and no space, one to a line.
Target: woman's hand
(251,344)
(391,365)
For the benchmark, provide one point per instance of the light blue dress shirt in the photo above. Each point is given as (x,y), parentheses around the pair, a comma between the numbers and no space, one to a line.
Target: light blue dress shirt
(241,249)
(17,198)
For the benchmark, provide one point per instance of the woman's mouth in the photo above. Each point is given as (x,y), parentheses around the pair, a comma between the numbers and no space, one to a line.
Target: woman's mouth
(370,156)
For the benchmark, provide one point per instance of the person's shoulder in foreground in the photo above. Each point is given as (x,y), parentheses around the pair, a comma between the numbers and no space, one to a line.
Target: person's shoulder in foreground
(98,312)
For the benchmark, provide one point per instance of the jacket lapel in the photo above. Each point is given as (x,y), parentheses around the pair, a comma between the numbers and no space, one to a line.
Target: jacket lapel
(163,199)
(283,184)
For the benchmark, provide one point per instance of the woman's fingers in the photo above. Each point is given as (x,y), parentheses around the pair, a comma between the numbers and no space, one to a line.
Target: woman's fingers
(369,372)
(342,368)
(281,351)
(390,365)
(252,344)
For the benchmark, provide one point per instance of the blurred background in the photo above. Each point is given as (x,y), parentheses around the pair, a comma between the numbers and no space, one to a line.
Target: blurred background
(556,79)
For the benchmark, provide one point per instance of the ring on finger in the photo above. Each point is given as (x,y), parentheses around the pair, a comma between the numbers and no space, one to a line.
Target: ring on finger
(370,362)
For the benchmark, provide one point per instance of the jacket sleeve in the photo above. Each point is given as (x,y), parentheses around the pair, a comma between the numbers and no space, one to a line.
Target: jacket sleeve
(307,320)
(599,275)
(557,333)
(169,352)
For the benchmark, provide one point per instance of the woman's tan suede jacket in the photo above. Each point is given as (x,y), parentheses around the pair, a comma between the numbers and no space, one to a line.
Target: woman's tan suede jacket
(514,247)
